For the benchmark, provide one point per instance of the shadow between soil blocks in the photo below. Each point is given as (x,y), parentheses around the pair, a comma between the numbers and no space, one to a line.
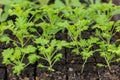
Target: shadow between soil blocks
(2,73)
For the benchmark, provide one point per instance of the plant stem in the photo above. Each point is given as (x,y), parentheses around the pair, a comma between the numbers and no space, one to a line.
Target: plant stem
(26,41)
(83,66)
(108,64)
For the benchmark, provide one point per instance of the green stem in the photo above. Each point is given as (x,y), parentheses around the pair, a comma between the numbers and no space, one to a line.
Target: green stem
(22,57)
(26,41)
(83,66)
(22,44)
(16,42)
(102,38)
(27,64)
(54,53)
(108,64)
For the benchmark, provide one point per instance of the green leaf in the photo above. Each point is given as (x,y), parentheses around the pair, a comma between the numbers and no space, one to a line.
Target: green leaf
(103,54)
(32,30)
(115,12)
(16,55)
(5,38)
(29,49)
(42,50)
(18,68)
(4,16)
(100,65)
(6,2)
(41,41)
(118,50)
(33,58)
(92,40)
(112,48)
(49,50)
(41,66)
(59,3)
(59,44)
(86,54)
(83,42)
(118,60)
(75,3)
(7,54)
(44,2)
(76,51)
(57,57)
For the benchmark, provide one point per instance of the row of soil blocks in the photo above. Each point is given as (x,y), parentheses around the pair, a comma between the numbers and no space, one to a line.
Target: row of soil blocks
(69,71)
(68,68)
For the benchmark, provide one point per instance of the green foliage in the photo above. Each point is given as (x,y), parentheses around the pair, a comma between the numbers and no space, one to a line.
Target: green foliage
(105,31)
(48,51)
(20,28)
(67,16)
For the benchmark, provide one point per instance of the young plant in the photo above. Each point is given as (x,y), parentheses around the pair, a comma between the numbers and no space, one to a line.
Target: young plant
(106,30)
(76,24)
(50,20)
(19,37)
(48,51)
(84,48)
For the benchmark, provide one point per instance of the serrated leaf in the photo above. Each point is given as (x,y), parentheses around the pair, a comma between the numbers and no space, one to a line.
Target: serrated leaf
(16,55)
(76,51)
(42,49)
(7,53)
(18,68)
(82,42)
(5,38)
(33,58)
(29,49)
(32,30)
(59,44)
(41,41)
(86,54)
(92,40)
